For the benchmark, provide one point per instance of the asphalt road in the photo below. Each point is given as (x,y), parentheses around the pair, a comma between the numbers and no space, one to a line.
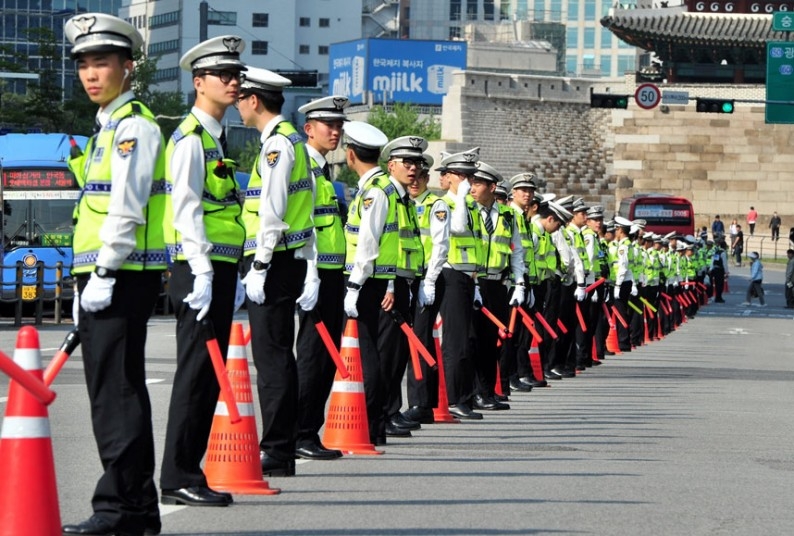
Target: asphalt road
(691,435)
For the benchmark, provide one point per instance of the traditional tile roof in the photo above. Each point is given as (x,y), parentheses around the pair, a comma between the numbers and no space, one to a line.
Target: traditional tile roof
(639,27)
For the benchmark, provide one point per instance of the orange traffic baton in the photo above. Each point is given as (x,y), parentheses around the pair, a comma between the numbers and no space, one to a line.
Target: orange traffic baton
(620,317)
(593,286)
(28,381)
(220,370)
(503,333)
(512,327)
(329,343)
(581,318)
(527,320)
(412,338)
(546,325)
(71,342)
(562,327)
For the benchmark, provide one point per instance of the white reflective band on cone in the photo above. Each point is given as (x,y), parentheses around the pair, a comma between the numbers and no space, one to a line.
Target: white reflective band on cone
(236,352)
(28,358)
(246,410)
(348,387)
(349,342)
(25,428)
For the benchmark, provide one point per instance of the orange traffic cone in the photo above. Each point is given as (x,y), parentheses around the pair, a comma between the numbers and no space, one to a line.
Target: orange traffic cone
(232,462)
(498,386)
(534,359)
(441,413)
(659,334)
(725,288)
(594,352)
(645,325)
(29,494)
(347,426)
(612,338)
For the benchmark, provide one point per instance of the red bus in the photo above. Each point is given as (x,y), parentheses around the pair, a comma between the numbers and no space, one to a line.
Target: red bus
(663,213)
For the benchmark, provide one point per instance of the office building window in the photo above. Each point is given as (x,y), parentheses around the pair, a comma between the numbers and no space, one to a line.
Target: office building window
(572,37)
(304,49)
(589,11)
(259,48)
(222,18)
(454,9)
(471,9)
(606,38)
(164,19)
(589,38)
(606,66)
(325,23)
(556,10)
(305,22)
(625,63)
(570,64)
(573,10)
(454,32)
(163,75)
(260,20)
(163,47)
(322,50)
(488,10)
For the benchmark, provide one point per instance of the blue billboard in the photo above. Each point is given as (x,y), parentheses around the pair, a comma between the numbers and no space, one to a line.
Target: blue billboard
(394,70)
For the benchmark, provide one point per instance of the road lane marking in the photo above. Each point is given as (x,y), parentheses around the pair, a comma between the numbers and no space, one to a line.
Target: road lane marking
(153,380)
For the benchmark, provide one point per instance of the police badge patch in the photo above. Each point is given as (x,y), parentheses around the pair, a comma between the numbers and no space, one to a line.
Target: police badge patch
(126,147)
(441,215)
(366,203)
(272,158)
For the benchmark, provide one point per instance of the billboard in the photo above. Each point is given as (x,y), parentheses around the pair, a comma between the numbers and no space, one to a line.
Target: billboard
(394,70)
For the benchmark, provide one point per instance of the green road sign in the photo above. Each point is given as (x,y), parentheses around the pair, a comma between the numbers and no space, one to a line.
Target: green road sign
(780,81)
(782,21)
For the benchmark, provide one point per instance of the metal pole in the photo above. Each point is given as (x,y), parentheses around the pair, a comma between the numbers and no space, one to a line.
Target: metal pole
(203,19)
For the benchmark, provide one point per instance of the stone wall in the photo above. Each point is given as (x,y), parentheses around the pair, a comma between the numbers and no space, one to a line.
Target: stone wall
(723,163)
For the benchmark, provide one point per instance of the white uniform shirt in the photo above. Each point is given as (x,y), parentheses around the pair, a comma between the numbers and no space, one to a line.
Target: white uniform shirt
(439,235)
(188,170)
(566,255)
(131,176)
(591,249)
(276,160)
(373,217)
(623,268)
(517,253)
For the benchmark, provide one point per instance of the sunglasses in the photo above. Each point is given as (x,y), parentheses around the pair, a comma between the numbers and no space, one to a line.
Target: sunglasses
(225,76)
(408,163)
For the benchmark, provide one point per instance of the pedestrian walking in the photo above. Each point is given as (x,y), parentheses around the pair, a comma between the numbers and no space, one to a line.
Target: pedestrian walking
(755,289)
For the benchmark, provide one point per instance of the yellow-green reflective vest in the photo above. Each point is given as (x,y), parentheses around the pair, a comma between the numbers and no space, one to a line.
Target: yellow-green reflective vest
(613,261)
(573,237)
(497,247)
(388,251)
(299,197)
(220,200)
(411,262)
(466,252)
(93,173)
(652,267)
(329,236)
(525,230)
(594,266)
(424,213)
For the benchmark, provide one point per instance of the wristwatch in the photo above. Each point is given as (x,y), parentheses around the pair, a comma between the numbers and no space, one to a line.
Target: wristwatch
(259,265)
(353,286)
(103,272)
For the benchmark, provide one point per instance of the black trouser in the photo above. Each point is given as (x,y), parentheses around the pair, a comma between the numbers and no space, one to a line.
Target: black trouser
(316,369)
(486,353)
(369,307)
(551,308)
(195,392)
(789,297)
(272,340)
(456,311)
(592,311)
(651,294)
(755,289)
(775,233)
(393,348)
(602,320)
(718,282)
(624,339)
(564,355)
(113,342)
(522,341)
(424,393)
(635,319)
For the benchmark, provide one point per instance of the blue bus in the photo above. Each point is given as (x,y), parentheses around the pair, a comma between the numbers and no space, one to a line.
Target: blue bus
(38,194)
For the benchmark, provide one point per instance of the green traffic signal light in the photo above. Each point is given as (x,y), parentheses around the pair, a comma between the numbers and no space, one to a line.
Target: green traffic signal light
(727,107)
(714,106)
(607,100)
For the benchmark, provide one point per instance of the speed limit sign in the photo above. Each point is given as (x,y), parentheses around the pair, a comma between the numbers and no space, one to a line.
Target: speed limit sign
(647,96)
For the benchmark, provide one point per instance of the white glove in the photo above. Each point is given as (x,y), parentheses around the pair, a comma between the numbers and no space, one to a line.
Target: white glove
(477,297)
(76,308)
(617,292)
(634,290)
(311,293)
(239,295)
(254,282)
(518,295)
(594,298)
(427,294)
(580,293)
(464,188)
(201,296)
(531,298)
(351,298)
(98,293)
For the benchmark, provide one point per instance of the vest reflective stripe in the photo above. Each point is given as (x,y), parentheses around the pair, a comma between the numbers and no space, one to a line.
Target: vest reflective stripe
(465,249)
(497,246)
(411,263)
(652,267)
(524,230)
(594,266)
(424,211)
(300,201)
(94,174)
(613,261)
(385,266)
(223,224)
(545,257)
(329,233)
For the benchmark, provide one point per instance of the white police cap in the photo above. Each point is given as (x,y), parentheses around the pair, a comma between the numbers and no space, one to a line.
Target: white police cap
(545,198)
(464,162)
(429,160)
(640,223)
(524,180)
(501,188)
(647,236)
(222,52)
(595,212)
(487,173)
(404,147)
(331,108)
(669,235)
(560,212)
(364,135)
(565,202)
(620,221)
(264,80)
(99,32)
(579,205)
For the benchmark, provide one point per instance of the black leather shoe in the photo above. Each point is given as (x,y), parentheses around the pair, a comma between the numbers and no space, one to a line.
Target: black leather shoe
(274,467)
(551,375)
(518,385)
(393,430)
(315,451)
(596,363)
(501,398)
(402,422)
(533,382)
(94,525)
(419,414)
(152,528)
(379,441)
(564,373)
(462,411)
(194,496)
(489,404)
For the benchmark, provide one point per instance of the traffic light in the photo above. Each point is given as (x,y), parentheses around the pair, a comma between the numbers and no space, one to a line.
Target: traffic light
(607,100)
(714,106)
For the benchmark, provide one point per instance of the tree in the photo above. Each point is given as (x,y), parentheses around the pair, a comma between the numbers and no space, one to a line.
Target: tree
(404,120)
(168,106)
(42,105)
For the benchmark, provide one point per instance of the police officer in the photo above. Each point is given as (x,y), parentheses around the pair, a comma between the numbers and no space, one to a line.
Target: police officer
(718,270)
(279,205)
(624,279)
(372,252)
(119,255)
(599,267)
(204,237)
(324,287)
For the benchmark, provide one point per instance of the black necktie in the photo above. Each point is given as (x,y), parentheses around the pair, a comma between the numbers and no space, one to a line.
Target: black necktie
(486,219)
(222,141)
(327,171)
(97,125)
